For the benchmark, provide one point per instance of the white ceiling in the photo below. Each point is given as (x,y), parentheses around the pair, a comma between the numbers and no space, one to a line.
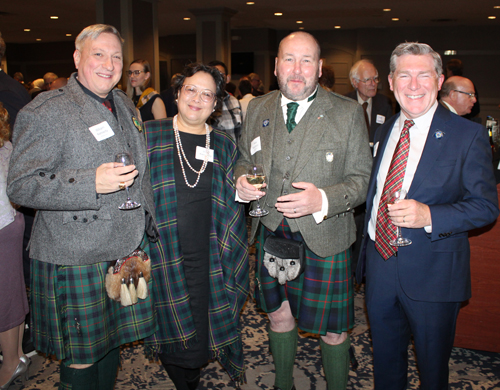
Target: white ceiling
(74,15)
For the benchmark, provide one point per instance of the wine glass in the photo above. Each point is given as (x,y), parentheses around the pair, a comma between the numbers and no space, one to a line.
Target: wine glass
(395,197)
(126,158)
(257,178)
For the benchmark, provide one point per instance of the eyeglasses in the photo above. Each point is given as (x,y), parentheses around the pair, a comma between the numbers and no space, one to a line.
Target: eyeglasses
(191,91)
(471,95)
(135,72)
(367,80)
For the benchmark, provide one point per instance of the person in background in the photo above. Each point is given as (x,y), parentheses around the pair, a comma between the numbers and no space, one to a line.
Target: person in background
(257,87)
(58,83)
(457,95)
(200,263)
(37,88)
(327,79)
(246,91)
(63,165)
(317,163)
(455,67)
(145,98)
(443,162)
(229,118)
(48,78)
(14,303)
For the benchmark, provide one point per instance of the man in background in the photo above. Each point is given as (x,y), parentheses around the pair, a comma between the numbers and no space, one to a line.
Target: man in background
(457,95)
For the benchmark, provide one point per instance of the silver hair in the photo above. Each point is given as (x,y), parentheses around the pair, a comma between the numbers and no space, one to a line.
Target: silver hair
(416,49)
(354,72)
(92,32)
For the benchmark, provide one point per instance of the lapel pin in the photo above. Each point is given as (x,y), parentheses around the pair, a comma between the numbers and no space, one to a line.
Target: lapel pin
(321,116)
(265,123)
(137,124)
(439,134)
(329,156)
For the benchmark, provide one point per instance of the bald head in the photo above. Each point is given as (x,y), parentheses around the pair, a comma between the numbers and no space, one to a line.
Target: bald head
(58,83)
(455,91)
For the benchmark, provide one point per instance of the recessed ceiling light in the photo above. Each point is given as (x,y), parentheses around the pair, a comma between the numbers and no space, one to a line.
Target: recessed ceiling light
(395,19)
(337,27)
(299,22)
(450,52)
(492,17)
(497,6)
(301,28)
(54,17)
(68,35)
(39,39)
(27,30)
(386,9)
(186,19)
(250,3)
(278,14)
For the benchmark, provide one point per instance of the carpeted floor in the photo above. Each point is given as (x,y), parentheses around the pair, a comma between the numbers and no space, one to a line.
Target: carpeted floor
(470,370)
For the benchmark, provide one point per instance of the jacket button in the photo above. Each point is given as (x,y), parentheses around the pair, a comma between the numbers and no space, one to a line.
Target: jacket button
(52,177)
(95,217)
(85,220)
(71,180)
(42,174)
(75,217)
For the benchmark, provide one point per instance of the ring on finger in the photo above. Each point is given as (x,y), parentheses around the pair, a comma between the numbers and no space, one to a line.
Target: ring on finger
(404,216)
(121,185)
(294,210)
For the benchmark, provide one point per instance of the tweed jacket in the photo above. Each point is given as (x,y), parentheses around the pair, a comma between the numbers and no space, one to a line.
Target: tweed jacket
(334,156)
(53,169)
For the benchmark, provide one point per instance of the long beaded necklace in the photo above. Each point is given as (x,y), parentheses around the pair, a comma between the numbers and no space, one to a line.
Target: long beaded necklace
(180,152)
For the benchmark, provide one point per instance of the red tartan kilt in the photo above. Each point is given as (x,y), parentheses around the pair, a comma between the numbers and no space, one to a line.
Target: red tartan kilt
(321,299)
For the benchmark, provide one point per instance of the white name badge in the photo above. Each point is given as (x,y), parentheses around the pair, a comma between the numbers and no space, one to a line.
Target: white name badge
(380,119)
(255,146)
(102,131)
(375,148)
(201,153)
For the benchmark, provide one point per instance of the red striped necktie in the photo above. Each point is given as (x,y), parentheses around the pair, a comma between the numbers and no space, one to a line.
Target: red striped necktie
(385,231)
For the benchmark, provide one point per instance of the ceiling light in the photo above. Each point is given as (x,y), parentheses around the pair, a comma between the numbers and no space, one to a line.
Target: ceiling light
(39,39)
(337,27)
(386,9)
(492,17)
(278,14)
(450,52)
(186,19)
(299,22)
(395,19)
(27,30)
(496,6)
(301,28)
(68,35)
(250,3)
(54,17)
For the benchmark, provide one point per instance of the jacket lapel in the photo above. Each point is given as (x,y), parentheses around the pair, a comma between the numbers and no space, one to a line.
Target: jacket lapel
(268,119)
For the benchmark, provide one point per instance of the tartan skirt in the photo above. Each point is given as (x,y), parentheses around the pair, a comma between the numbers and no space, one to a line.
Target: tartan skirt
(321,298)
(73,318)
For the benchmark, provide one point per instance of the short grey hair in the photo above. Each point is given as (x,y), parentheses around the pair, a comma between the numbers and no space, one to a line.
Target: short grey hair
(354,72)
(416,49)
(92,32)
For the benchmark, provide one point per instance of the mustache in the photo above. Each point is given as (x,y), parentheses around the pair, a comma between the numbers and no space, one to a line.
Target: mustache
(296,78)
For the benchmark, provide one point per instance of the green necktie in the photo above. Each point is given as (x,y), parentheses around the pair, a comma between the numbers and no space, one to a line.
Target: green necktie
(290,116)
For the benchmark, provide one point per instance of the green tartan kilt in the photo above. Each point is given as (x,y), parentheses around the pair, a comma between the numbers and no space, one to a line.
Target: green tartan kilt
(321,299)
(73,318)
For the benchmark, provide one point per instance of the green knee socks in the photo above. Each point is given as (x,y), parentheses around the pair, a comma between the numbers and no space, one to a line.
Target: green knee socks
(336,364)
(283,348)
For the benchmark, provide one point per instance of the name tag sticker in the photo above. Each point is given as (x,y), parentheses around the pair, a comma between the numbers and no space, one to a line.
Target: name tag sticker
(380,119)
(375,148)
(202,152)
(102,131)
(255,146)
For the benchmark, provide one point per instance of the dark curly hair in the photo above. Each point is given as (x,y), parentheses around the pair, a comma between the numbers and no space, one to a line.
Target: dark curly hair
(4,125)
(192,69)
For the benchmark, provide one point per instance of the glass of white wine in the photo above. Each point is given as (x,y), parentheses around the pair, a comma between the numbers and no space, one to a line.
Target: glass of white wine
(395,197)
(257,178)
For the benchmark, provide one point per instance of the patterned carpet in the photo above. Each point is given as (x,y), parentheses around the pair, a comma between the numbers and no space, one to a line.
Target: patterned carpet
(470,370)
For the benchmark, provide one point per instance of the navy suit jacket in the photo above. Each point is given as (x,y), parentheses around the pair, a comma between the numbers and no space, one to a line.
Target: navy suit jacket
(455,179)
(381,105)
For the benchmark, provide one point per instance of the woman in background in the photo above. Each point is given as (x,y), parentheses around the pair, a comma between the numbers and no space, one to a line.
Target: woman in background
(145,98)
(13,302)
(200,263)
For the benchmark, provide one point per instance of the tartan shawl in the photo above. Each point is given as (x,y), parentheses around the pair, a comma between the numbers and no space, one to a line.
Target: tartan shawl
(228,269)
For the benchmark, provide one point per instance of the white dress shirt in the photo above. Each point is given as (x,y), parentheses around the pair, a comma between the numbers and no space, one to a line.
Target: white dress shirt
(418,136)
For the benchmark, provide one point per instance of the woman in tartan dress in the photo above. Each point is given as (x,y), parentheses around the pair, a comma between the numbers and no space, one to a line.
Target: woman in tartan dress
(200,263)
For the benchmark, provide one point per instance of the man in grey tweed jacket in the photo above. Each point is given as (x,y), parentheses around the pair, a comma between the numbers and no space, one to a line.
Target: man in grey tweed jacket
(317,173)
(63,166)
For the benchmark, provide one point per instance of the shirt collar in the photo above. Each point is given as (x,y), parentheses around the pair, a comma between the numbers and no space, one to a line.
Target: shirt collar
(285,100)
(423,121)
(93,95)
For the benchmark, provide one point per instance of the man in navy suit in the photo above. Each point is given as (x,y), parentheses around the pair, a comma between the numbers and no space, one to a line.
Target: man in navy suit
(417,289)
(364,78)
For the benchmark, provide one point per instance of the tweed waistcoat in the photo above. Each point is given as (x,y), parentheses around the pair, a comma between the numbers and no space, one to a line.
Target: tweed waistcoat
(285,149)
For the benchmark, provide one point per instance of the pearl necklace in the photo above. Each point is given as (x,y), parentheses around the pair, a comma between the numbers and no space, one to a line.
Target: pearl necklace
(180,152)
